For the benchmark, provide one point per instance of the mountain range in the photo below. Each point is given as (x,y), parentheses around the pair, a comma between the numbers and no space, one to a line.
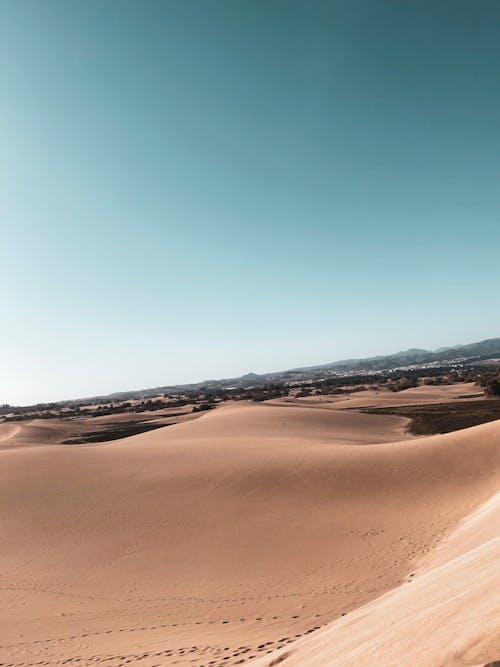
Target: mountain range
(479,351)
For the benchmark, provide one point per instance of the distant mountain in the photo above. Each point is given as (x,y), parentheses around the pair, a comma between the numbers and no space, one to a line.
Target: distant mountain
(472,352)
(482,349)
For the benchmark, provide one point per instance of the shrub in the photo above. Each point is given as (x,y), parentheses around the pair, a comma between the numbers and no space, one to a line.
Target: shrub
(492,387)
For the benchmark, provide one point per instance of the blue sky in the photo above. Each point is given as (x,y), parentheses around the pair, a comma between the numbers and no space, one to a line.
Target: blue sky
(200,189)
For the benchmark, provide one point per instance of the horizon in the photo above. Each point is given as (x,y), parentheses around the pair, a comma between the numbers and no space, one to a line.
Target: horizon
(250,372)
(194,190)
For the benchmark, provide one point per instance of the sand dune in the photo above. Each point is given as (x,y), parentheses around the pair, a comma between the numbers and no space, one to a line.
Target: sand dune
(8,431)
(233,536)
(383,398)
(448,615)
(36,432)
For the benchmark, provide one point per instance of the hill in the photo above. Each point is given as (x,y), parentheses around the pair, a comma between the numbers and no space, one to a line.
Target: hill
(456,355)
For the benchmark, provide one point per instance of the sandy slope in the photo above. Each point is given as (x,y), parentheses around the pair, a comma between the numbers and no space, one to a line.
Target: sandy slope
(383,398)
(449,615)
(36,432)
(8,431)
(218,540)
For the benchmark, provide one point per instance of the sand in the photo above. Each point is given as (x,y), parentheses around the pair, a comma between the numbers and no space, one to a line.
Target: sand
(383,398)
(448,615)
(251,532)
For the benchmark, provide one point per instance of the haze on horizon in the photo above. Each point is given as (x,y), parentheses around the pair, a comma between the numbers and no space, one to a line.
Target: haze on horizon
(194,190)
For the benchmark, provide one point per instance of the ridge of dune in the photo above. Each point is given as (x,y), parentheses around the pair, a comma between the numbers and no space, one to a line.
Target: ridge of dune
(221,538)
(479,527)
(441,621)
(447,616)
(8,431)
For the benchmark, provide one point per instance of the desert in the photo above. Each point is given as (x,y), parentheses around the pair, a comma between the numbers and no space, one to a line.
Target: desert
(300,532)
(249,333)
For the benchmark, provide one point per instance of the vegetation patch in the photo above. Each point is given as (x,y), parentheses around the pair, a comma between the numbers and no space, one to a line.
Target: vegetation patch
(443,417)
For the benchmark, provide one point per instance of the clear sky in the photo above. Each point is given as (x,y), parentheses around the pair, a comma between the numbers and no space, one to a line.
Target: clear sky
(194,189)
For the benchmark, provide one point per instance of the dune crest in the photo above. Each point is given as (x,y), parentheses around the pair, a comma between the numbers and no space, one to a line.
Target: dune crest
(447,616)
